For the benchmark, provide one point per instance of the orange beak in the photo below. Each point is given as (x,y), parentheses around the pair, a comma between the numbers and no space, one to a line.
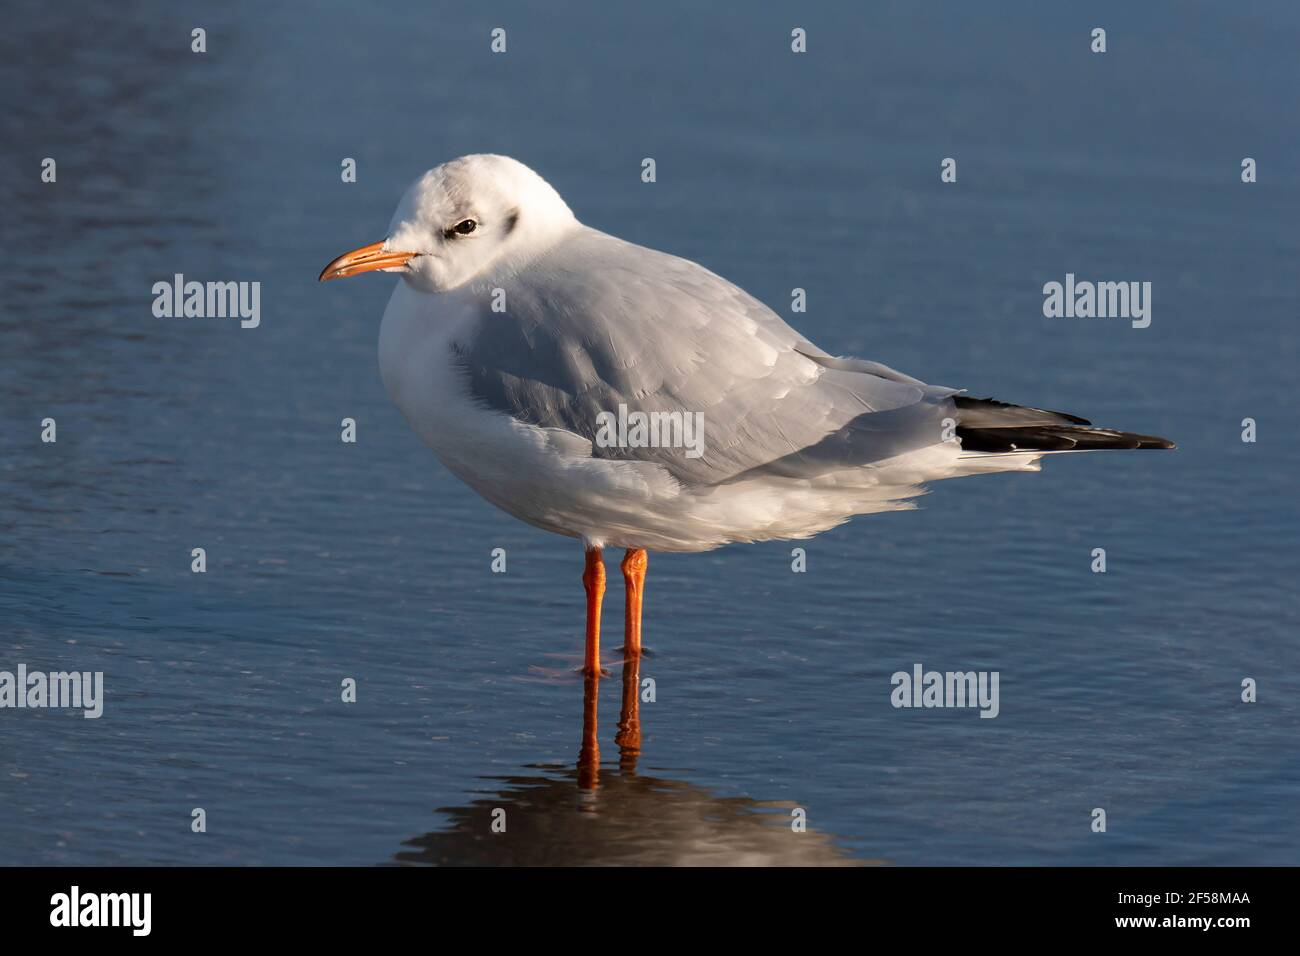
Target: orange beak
(366,259)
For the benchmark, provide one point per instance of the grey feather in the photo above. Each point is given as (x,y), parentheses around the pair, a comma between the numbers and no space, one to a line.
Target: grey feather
(601,322)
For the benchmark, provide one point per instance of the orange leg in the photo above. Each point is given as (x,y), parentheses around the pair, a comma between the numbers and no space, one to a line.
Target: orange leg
(633,566)
(593,580)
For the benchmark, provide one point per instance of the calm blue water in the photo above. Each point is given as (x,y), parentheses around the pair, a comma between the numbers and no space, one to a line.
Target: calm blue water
(369,561)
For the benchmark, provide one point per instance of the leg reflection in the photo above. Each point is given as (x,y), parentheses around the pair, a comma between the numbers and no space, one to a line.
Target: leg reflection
(589,756)
(629,718)
(628,737)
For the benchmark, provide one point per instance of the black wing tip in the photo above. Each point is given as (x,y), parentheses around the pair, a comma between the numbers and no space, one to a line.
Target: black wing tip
(1056,438)
(1148,441)
(989,425)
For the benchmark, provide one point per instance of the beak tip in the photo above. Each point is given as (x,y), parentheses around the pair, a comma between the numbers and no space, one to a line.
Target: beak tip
(366,259)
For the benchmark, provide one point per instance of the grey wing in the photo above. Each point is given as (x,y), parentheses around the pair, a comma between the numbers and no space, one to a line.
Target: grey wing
(601,323)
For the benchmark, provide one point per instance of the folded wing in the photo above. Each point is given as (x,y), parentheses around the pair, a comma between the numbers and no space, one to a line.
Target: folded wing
(598,323)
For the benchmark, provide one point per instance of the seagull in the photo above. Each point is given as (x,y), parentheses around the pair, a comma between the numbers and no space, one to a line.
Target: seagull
(633,399)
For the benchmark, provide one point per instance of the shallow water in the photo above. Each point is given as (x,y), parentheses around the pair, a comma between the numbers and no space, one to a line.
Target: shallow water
(328,560)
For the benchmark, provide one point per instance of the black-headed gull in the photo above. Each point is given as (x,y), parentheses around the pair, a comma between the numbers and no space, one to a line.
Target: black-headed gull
(633,399)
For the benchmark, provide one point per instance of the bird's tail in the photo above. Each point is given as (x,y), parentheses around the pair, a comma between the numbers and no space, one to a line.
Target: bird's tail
(986,425)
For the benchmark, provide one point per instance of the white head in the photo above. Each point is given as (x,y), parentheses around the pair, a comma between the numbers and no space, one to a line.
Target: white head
(461,221)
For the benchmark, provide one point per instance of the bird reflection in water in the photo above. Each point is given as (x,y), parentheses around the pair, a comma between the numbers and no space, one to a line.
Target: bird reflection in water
(591,816)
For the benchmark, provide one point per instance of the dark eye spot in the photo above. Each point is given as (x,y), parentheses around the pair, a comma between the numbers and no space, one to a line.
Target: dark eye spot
(464,227)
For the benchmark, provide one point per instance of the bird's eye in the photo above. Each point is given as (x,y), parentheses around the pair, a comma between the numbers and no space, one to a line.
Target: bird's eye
(464,227)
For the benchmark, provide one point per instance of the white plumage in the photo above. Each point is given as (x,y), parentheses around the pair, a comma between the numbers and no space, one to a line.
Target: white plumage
(517,335)
(514,327)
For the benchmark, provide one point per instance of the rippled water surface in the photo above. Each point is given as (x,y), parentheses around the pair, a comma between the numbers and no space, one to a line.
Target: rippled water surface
(328,560)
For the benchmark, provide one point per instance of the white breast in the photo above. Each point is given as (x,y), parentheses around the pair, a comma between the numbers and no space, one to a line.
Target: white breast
(544,476)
